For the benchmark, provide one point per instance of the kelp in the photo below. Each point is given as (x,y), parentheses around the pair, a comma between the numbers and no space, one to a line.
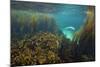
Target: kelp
(24,23)
(85,49)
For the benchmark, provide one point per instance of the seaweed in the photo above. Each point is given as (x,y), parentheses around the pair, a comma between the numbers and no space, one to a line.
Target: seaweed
(39,49)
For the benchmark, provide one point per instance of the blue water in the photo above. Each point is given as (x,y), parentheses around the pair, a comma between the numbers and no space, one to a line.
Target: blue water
(73,16)
(69,18)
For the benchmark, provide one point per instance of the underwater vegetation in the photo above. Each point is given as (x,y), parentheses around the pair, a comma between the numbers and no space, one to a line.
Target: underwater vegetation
(85,50)
(25,23)
(51,34)
(39,49)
